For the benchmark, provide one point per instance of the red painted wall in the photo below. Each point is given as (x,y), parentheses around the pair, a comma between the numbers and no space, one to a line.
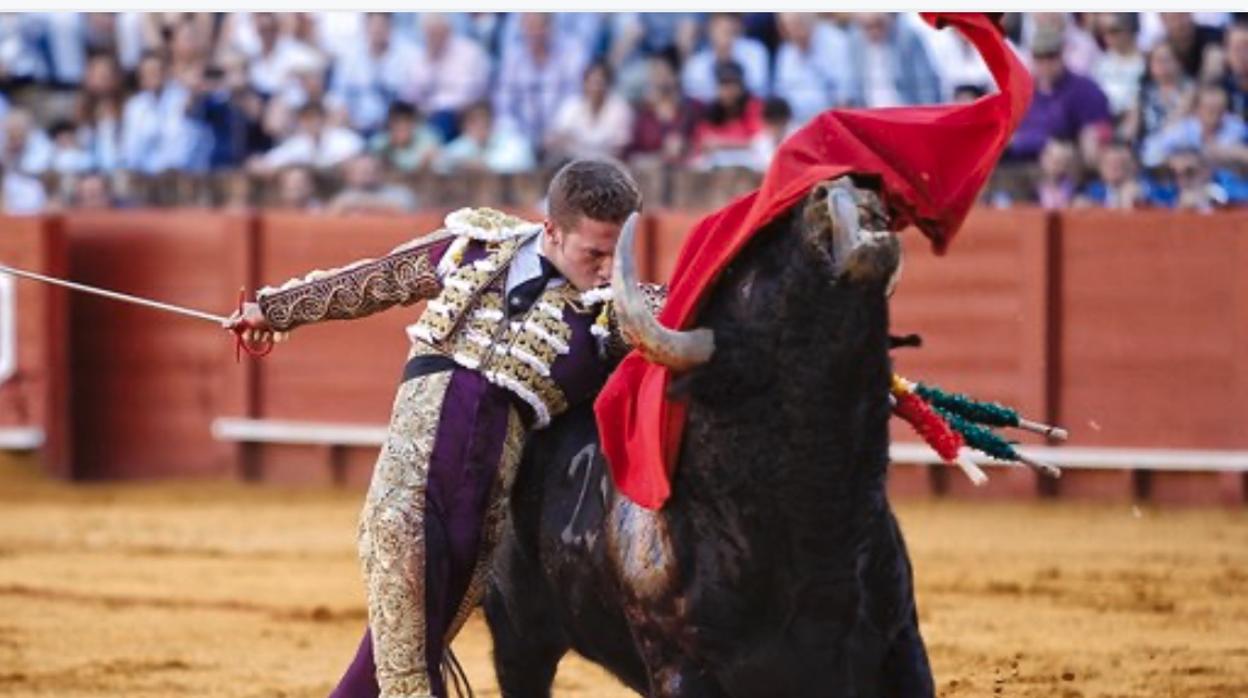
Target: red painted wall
(1130,329)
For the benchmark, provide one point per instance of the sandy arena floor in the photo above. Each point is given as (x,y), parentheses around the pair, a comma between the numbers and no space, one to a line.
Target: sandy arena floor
(223,590)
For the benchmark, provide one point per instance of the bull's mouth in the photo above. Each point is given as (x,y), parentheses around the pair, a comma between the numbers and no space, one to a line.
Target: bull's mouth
(849,228)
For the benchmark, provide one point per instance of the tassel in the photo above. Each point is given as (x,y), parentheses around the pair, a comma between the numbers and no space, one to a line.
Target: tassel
(990,413)
(986,441)
(944,440)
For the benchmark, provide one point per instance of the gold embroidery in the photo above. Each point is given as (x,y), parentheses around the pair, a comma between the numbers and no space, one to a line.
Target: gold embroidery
(392,540)
(404,276)
(467,323)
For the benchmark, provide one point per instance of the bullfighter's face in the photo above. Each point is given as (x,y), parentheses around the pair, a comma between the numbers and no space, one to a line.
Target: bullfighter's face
(582,252)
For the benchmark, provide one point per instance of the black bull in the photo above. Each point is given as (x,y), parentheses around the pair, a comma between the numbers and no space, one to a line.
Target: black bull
(777,567)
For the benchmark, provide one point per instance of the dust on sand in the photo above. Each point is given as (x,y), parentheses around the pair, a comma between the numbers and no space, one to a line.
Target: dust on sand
(227,590)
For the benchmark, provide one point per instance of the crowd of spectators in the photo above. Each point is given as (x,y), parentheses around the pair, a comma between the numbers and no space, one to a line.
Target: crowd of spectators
(1130,109)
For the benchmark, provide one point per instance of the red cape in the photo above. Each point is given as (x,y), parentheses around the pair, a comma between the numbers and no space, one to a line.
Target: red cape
(933,161)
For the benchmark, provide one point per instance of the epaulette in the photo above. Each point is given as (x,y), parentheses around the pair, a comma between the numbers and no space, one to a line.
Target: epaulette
(487,224)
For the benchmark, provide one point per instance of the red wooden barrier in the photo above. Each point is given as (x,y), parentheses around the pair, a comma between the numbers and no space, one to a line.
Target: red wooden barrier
(146,385)
(1132,330)
(33,338)
(335,372)
(1154,342)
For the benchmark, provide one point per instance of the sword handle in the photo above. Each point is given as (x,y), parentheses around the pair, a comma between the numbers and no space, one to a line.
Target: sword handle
(255,350)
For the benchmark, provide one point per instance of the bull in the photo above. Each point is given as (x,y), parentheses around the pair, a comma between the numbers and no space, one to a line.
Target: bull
(777,567)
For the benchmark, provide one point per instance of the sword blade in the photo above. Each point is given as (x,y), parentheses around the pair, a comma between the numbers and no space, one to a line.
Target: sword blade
(115,295)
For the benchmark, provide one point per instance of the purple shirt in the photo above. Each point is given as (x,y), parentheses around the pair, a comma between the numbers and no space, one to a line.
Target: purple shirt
(1074,103)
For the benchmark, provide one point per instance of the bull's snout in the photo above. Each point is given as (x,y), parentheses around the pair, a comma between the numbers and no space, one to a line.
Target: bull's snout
(848,225)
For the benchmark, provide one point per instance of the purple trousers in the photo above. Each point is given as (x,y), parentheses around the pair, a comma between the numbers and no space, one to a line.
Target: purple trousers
(472,443)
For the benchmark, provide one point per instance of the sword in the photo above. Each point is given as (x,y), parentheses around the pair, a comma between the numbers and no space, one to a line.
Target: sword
(260,348)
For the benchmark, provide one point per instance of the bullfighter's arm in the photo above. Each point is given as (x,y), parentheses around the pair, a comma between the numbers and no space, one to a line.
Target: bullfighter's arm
(410,273)
(614,346)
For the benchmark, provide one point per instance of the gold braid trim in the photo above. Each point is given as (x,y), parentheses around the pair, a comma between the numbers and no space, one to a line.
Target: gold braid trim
(407,275)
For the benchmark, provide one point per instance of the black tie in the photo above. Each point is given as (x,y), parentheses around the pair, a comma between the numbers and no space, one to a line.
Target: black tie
(526,293)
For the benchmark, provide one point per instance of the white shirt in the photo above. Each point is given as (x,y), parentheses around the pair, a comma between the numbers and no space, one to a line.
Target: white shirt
(528,94)
(271,74)
(156,134)
(451,81)
(527,264)
(23,195)
(581,133)
(368,83)
(698,76)
(957,62)
(1119,78)
(505,152)
(877,81)
(815,79)
(334,146)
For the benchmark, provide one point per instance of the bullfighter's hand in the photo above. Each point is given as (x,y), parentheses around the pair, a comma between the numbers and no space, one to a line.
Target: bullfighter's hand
(253,326)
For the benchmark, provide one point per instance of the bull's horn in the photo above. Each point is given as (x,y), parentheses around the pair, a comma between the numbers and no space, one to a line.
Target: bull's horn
(678,350)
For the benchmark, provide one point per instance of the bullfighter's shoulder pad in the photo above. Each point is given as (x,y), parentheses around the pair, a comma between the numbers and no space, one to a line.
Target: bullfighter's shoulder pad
(486,224)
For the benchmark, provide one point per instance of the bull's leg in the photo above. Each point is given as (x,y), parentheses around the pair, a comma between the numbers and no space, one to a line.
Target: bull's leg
(528,645)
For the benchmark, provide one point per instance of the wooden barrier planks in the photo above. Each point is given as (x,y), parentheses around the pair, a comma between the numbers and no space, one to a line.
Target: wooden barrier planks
(34,347)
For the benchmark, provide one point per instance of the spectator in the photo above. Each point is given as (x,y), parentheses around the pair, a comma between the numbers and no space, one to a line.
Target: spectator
(1118,185)
(1079,50)
(957,63)
(1065,106)
(579,34)
(726,43)
(407,145)
(67,156)
(777,125)
(635,36)
(725,133)
(595,123)
(1219,136)
(1120,68)
(20,194)
(275,55)
(296,189)
(314,143)
(812,65)
(1166,96)
(891,64)
(187,53)
(1236,80)
(664,123)
(448,73)
(1189,40)
(23,147)
(486,146)
(99,111)
(366,192)
(533,84)
(156,133)
(368,78)
(229,111)
(93,191)
(1195,188)
(117,35)
(64,45)
(1059,173)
